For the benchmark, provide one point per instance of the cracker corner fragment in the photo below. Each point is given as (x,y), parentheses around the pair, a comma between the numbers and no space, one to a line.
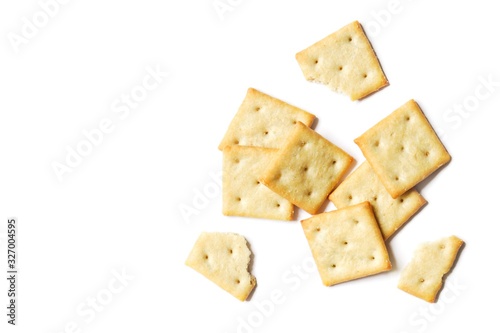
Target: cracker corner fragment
(423,277)
(224,259)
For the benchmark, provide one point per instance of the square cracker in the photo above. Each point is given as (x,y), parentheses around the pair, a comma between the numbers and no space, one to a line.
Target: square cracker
(344,61)
(223,258)
(263,121)
(423,276)
(242,192)
(364,185)
(346,244)
(403,149)
(306,169)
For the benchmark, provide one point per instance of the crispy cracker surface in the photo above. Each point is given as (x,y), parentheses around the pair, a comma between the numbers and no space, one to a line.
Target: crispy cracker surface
(403,149)
(363,185)
(263,121)
(423,276)
(344,61)
(223,258)
(346,244)
(307,168)
(243,193)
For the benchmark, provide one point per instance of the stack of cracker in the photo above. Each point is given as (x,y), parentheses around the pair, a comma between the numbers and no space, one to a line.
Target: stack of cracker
(401,150)
(273,161)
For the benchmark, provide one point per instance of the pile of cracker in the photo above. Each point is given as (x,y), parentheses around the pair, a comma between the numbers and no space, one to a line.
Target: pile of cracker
(273,162)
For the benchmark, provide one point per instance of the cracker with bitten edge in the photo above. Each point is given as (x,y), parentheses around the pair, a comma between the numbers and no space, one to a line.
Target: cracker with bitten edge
(403,149)
(306,169)
(346,244)
(363,185)
(263,121)
(423,276)
(242,192)
(344,61)
(223,258)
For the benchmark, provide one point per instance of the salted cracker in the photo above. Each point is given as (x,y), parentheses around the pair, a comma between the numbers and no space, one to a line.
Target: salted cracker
(223,258)
(344,61)
(346,244)
(363,185)
(403,149)
(423,276)
(306,169)
(263,121)
(242,192)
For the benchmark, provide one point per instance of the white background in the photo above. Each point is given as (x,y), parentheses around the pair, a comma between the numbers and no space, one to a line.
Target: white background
(118,211)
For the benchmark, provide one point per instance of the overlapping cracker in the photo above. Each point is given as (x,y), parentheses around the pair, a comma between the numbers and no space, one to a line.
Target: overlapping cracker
(223,258)
(346,244)
(263,121)
(344,61)
(423,276)
(243,193)
(364,185)
(306,169)
(403,149)
(273,160)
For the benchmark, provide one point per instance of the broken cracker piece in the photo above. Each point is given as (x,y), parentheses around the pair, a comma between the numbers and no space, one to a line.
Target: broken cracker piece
(344,61)
(346,244)
(263,121)
(423,276)
(223,258)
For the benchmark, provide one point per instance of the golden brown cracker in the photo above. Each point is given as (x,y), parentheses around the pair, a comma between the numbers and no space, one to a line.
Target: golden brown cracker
(363,185)
(423,276)
(223,258)
(306,169)
(346,244)
(403,149)
(344,61)
(263,121)
(242,192)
